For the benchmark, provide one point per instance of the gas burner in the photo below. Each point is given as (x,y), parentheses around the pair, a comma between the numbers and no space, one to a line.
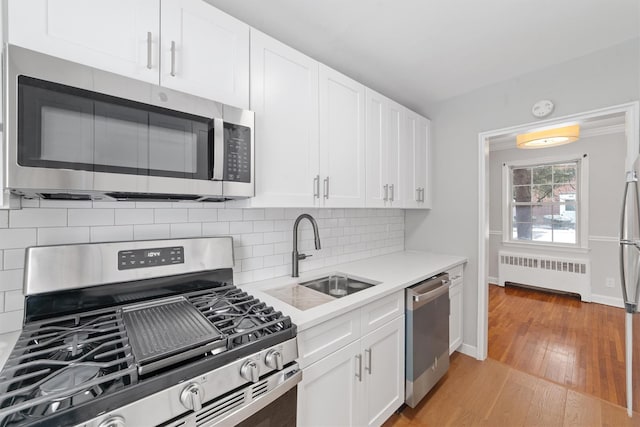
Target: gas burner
(75,346)
(246,331)
(221,306)
(68,378)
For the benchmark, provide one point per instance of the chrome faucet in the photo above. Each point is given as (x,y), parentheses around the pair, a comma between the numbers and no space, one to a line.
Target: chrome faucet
(295,256)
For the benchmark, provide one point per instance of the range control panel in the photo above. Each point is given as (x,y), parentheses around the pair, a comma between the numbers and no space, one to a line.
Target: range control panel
(141,258)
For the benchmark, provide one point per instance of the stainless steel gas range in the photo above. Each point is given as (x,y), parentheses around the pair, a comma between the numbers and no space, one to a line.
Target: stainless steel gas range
(146,333)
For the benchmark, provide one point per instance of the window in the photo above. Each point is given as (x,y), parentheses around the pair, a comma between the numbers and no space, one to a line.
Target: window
(543,202)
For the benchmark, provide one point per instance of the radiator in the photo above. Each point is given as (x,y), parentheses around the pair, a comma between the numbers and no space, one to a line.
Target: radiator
(558,274)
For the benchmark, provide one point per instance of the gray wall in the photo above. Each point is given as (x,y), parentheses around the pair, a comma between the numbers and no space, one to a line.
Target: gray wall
(606,178)
(601,79)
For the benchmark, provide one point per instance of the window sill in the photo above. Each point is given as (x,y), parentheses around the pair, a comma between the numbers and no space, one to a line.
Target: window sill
(546,247)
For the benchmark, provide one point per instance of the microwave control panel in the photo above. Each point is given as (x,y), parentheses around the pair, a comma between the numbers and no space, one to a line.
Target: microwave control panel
(141,258)
(237,153)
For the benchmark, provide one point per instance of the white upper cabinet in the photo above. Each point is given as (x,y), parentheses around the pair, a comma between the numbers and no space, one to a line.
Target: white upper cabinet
(203,51)
(121,36)
(385,143)
(417,188)
(342,140)
(284,97)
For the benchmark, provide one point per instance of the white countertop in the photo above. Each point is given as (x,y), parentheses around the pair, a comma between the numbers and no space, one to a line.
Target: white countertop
(394,272)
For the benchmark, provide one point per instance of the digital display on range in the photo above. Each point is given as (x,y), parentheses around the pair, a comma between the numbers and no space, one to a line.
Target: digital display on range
(142,258)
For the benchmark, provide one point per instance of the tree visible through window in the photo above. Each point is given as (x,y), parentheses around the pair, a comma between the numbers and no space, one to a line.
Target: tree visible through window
(544,202)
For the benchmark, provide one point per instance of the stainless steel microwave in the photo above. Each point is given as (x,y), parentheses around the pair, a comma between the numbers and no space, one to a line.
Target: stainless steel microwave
(76,132)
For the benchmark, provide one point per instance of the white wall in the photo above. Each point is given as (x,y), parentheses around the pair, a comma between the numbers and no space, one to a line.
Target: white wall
(262,237)
(606,154)
(601,79)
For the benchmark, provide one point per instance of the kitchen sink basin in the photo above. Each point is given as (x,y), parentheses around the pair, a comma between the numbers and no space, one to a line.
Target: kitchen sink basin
(338,284)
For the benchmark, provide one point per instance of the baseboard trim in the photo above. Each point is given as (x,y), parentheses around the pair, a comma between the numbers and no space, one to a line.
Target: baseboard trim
(469,350)
(607,300)
(492,280)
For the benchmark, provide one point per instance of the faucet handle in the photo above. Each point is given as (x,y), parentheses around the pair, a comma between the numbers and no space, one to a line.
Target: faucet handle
(303,256)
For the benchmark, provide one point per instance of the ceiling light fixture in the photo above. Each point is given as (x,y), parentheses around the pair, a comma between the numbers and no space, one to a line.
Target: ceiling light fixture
(548,138)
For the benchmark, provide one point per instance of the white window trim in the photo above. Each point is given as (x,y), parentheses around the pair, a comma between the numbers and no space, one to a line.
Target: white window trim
(582,221)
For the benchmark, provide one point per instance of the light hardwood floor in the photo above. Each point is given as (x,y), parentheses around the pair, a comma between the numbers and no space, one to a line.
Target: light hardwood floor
(553,361)
(490,393)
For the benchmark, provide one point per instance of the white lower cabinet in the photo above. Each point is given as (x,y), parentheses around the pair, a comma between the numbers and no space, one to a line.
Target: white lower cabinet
(456,311)
(361,383)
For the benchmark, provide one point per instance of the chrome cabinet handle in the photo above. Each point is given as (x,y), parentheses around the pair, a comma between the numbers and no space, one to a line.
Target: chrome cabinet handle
(359,373)
(173,58)
(367,367)
(326,188)
(391,191)
(316,187)
(149,49)
(418,194)
(386,192)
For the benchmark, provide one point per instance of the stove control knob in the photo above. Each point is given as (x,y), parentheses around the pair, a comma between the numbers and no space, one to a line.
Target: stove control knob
(250,371)
(192,397)
(114,421)
(273,359)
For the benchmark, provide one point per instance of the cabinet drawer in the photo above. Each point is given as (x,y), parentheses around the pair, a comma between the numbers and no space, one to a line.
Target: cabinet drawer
(382,311)
(456,272)
(322,340)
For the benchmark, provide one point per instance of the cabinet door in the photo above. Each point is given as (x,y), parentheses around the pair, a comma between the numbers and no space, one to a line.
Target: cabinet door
(455,315)
(205,52)
(383,359)
(417,191)
(284,96)
(342,150)
(377,133)
(330,393)
(395,143)
(121,36)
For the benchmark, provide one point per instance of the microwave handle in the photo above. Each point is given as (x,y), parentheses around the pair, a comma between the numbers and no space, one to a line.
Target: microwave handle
(218,149)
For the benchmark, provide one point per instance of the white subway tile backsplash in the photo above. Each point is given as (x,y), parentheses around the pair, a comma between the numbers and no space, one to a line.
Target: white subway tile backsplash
(215,228)
(4,219)
(90,217)
(203,215)
(230,215)
(17,238)
(10,321)
(262,237)
(163,216)
(13,300)
(186,230)
(26,218)
(112,234)
(240,227)
(133,216)
(253,214)
(11,280)
(151,231)
(62,235)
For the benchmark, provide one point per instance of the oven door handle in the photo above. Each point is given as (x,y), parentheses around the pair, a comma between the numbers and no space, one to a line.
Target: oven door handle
(263,401)
(433,294)
(218,150)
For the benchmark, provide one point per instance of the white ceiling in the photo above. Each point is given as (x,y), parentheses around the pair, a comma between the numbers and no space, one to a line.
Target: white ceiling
(421,52)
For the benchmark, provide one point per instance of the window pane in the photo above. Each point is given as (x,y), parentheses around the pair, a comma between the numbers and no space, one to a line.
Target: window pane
(522,176)
(564,232)
(542,193)
(564,192)
(542,218)
(542,174)
(522,213)
(565,173)
(522,193)
(522,231)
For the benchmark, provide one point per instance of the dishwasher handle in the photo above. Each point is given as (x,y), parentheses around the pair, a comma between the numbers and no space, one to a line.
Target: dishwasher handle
(434,293)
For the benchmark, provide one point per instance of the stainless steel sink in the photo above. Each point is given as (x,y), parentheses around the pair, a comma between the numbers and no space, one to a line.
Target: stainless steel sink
(339,284)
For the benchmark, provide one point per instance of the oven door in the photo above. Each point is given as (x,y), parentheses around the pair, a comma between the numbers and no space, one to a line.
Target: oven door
(272,401)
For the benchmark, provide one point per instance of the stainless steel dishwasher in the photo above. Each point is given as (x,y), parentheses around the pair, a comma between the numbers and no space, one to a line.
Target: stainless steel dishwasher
(427,340)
